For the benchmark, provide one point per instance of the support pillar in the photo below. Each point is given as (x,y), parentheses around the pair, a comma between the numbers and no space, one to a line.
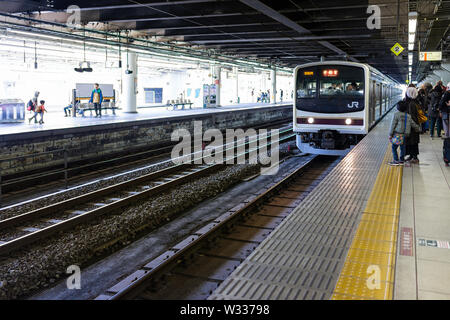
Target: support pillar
(237,83)
(217,81)
(129,82)
(273,93)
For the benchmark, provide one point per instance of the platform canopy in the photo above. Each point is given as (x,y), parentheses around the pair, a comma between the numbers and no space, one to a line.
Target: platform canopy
(287,32)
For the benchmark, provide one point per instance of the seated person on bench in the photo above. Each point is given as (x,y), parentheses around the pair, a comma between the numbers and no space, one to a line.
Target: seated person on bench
(69,108)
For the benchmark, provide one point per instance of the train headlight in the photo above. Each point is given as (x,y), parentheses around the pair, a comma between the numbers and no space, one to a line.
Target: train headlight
(348,121)
(310,120)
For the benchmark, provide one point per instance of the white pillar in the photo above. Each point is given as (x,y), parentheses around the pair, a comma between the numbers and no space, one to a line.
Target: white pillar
(217,82)
(273,93)
(129,82)
(237,84)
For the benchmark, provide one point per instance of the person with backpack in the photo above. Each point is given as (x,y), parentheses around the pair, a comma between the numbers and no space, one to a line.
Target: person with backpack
(97,99)
(40,109)
(434,117)
(31,105)
(400,129)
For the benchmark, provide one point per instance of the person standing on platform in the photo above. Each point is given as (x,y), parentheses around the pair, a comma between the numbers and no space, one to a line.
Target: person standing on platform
(281,95)
(97,99)
(401,127)
(444,108)
(413,140)
(434,117)
(40,109)
(423,99)
(32,104)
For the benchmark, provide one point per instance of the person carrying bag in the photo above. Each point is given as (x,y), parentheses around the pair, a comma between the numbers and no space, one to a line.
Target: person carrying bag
(400,129)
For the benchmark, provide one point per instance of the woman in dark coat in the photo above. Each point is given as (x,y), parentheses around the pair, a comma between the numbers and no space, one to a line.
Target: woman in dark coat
(412,141)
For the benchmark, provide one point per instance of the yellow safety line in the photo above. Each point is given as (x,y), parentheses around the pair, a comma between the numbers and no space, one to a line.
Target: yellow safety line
(368,272)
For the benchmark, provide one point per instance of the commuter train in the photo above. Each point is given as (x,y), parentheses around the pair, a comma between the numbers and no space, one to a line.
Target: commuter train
(336,103)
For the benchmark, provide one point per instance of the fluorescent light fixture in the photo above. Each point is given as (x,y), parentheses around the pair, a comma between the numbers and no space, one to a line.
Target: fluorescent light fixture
(410,69)
(410,58)
(412,26)
(412,16)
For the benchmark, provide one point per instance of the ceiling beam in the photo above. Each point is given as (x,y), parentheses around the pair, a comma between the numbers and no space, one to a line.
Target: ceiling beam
(268,11)
(305,38)
(174,17)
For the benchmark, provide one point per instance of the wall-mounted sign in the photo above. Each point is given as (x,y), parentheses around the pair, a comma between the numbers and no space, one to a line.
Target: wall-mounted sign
(430,56)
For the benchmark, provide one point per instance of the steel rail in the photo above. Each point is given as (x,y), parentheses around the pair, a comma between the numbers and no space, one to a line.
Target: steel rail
(171,257)
(40,234)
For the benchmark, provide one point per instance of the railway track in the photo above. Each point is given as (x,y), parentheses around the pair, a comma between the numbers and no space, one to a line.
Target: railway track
(194,267)
(27,228)
(14,187)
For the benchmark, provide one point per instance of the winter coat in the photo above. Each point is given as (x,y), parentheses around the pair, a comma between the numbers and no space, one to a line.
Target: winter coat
(398,124)
(435,97)
(443,103)
(414,137)
(99,91)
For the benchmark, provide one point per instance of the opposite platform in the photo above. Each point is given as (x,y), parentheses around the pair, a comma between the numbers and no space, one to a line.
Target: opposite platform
(57,121)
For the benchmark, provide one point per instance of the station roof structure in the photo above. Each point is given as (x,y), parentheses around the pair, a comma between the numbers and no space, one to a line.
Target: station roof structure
(285,32)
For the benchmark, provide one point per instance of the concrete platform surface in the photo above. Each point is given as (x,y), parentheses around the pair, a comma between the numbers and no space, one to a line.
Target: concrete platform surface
(423,272)
(56,120)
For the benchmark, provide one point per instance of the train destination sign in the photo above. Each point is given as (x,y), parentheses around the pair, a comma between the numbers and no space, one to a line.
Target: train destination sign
(430,56)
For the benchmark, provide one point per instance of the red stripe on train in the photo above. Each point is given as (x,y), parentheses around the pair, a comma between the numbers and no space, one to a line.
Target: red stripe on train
(337,122)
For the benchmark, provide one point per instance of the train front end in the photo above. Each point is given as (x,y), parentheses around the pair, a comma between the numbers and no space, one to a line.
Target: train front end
(330,106)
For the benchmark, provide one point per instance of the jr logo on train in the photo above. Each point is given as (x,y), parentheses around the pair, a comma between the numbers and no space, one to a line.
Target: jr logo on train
(336,103)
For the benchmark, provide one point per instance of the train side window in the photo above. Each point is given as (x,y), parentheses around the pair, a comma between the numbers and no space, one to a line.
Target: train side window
(306,88)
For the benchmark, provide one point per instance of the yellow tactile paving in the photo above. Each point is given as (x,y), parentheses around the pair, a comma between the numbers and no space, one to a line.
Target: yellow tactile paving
(368,272)
(361,270)
(360,288)
(375,234)
(367,257)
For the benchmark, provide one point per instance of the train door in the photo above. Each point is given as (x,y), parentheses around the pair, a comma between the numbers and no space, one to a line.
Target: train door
(380,100)
(373,103)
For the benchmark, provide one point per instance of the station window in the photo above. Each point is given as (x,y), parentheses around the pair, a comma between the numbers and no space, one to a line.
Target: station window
(306,88)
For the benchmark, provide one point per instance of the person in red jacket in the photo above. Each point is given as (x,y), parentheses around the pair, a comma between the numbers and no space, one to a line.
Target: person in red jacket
(40,109)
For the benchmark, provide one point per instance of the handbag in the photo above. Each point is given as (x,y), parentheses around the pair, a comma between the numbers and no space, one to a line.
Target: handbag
(421,116)
(399,138)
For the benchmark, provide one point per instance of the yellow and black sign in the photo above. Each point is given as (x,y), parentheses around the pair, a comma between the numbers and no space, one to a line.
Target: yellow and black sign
(397,49)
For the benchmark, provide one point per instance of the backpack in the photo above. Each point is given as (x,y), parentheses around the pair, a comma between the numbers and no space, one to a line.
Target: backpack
(30,105)
(435,99)
(403,103)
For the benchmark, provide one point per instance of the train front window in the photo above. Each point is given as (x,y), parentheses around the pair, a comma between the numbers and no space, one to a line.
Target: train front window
(332,87)
(306,88)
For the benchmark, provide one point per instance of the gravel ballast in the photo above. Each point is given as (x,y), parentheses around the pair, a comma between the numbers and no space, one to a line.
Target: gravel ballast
(43,264)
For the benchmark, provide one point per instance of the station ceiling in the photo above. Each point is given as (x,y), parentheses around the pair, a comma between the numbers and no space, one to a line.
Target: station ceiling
(288,32)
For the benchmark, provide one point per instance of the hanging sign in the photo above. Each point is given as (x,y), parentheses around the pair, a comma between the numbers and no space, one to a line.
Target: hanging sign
(430,56)
(397,49)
